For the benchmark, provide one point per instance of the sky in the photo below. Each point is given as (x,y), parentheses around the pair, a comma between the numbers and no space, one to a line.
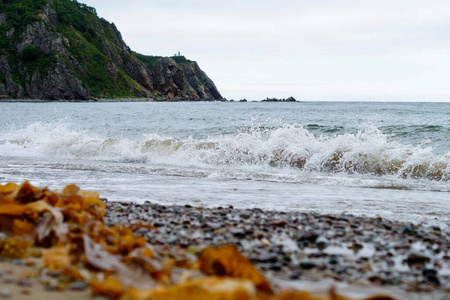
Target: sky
(326,50)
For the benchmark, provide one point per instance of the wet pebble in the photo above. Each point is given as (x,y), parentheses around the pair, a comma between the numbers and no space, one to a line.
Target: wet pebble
(245,215)
(333,260)
(431,276)
(24,283)
(416,257)
(295,276)
(276,267)
(78,286)
(321,245)
(307,265)
(310,246)
(266,258)
(238,233)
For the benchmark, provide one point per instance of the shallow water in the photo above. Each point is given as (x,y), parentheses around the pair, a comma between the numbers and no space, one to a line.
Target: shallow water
(387,159)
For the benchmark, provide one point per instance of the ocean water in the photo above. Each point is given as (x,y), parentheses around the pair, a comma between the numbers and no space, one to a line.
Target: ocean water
(377,159)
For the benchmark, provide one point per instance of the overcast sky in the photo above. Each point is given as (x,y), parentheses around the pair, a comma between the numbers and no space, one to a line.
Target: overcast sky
(396,50)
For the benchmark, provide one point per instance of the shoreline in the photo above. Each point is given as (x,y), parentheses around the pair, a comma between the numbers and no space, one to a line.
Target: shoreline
(311,251)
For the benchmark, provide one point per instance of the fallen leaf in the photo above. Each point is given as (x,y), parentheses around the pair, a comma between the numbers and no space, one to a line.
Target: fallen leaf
(228,261)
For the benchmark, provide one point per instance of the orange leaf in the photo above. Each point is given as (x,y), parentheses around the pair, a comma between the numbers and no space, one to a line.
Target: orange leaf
(70,190)
(199,289)
(25,193)
(23,228)
(228,261)
(300,295)
(8,188)
(13,209)
(56,258)
(110,287)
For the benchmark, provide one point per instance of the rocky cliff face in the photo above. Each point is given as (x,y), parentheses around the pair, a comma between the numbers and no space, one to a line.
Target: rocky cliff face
(60,49)
(183,80)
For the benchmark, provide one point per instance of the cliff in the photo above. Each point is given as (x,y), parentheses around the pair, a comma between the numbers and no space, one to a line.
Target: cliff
(61,50)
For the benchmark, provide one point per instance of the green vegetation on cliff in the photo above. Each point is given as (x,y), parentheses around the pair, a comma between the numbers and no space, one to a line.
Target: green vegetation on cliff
(148,60)
(61,49)
(23,12)
(74,14)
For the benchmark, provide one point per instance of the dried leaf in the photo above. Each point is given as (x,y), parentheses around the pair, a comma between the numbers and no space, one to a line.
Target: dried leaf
(110,287)
(200,289)
(99,258)
(25,193)
(56,258)
(228,261)
(8,188)
(302,295)
(23,228)
(13,209)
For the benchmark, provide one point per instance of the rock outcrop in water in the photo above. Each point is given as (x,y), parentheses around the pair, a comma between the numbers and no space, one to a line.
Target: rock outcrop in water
(61,50)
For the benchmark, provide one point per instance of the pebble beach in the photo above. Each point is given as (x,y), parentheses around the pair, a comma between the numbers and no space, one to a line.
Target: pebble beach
(293,246)
(359,254)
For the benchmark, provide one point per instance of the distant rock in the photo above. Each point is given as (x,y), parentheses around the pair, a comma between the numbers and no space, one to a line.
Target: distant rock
(290,99)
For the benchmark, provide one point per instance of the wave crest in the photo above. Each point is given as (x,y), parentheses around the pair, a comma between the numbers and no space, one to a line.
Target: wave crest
(367,151)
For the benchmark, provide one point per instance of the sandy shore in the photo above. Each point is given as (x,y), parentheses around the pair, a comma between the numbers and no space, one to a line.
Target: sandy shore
(406,259)
(21,282)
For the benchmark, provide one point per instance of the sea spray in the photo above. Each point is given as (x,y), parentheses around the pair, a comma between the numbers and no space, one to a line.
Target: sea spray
(289,146)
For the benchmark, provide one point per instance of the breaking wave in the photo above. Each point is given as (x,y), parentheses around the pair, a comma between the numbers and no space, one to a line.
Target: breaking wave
(367,151)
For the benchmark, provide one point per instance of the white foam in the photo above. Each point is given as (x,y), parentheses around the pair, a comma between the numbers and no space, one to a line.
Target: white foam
(289,149)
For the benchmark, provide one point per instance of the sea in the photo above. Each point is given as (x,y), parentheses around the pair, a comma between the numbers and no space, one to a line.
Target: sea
(379,159)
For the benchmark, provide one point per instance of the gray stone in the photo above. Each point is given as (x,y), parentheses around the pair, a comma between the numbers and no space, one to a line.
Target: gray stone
(78,286)
(5,293)
(416,257)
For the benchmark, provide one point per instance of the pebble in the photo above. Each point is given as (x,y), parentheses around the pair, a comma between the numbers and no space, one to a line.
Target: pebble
(416,258)
(24,283)
(53,274)
(266,258)
(5,293)
(9,280)
(431,276)
(333,260)
(238,233)
(321,245)
(306,265)
(295,276)
(78,286)
(18,262)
